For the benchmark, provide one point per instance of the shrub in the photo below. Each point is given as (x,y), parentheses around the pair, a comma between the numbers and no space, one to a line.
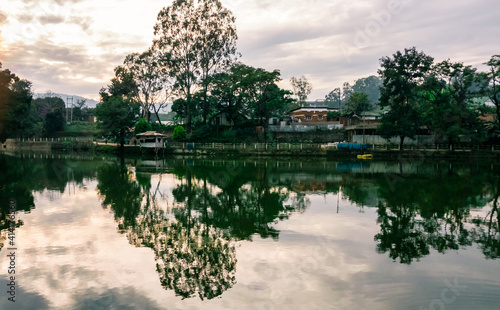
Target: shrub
(179,134)
(142,126)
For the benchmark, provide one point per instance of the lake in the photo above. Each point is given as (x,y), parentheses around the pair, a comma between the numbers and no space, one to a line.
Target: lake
(83,232)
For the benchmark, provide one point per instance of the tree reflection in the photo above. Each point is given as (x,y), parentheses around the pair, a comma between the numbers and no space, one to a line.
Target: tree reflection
(193,240)
(487,229)
(194,260)
(120,193)
(424,212)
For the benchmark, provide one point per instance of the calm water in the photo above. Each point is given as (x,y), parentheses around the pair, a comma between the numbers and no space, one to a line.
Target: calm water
(213,234)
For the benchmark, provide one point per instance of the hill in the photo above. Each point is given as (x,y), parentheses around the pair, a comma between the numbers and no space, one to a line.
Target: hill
(88,102)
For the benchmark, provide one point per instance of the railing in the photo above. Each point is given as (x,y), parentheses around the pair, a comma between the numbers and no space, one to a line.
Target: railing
(54,139)
(244,146)
(303,146)
(436,147)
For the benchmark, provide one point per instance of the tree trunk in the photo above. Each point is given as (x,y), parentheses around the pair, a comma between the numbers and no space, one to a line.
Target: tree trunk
(122,140)
(401,143)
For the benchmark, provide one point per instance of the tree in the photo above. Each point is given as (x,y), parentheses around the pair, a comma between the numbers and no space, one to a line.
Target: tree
(369,86)
(301,89)
(179,134)
(218,45)
(50,111)
(194,41)
(117,111)
(151,80)
(80,110)
(403,76)
(265,98)
(142,126)
(334,99)
(490,86)
(16,115)
(338,97)
(358,103)
(448,94)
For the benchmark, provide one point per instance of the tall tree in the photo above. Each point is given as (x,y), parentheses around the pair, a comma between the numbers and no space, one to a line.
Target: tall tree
(338,97)
(403,75)
(448,112)
(358,103)
(369,86)
(266,99)
(334,99)
(194,40)
(490,86)
(301,89)
(151,80)
(16,115)
(118,111)
(218,45)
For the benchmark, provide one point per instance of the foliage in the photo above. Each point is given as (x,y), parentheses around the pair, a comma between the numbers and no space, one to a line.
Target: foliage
(301,88)
(54,121)
(141,126)
(16,114)
(248,90)
(403,76)
(357,104)
(194,41)
(202,133)
(448,109)
(151,80)
(118,112)
(332,115)
(179,134)
(369,86)
(490,87)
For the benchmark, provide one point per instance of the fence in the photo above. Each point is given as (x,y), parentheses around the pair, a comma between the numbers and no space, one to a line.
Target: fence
(53,140)
(315,146)
(245,146)
(436,147)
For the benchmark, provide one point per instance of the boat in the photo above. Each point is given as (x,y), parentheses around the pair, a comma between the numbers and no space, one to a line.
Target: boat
(365,156)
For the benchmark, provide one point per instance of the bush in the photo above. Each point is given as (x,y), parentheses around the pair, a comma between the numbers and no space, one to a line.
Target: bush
(200,134)
(179,134)
(142,126)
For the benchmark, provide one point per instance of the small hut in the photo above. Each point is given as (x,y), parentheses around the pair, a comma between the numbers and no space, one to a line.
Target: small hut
(152,139)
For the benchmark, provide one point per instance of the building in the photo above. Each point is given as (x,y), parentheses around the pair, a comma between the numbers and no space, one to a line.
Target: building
(152,139)
(309,115)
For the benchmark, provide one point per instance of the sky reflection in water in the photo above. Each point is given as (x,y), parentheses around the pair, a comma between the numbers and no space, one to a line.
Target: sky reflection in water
(203,234)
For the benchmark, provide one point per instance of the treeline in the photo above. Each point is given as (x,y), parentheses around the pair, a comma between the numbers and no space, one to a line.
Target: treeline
(193,60)
(22,116)
(445,98)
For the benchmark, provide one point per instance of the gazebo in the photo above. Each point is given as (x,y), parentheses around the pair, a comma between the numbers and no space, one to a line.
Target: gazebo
(152,139)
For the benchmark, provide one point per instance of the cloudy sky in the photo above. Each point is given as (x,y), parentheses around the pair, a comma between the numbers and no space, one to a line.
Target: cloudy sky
(72,46)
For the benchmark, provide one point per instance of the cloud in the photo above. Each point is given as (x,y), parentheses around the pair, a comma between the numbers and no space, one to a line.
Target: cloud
(51,19)
(3,18)
(330,42)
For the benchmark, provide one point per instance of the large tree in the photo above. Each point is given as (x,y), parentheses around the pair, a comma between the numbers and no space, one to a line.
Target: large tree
(490,87)
(369,86)
(151,80)
(16,115)
(357,104)
(118,111)
(301,89)
(403,75)
(448,109)
(194,41)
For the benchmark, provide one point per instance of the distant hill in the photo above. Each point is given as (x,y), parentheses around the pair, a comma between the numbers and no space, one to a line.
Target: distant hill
(88,102)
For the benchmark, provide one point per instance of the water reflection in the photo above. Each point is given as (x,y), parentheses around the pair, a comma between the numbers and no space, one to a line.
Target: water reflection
(194,241)
(191,213)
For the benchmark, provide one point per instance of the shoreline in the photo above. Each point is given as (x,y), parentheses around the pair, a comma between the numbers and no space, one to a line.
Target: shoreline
(248,150)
